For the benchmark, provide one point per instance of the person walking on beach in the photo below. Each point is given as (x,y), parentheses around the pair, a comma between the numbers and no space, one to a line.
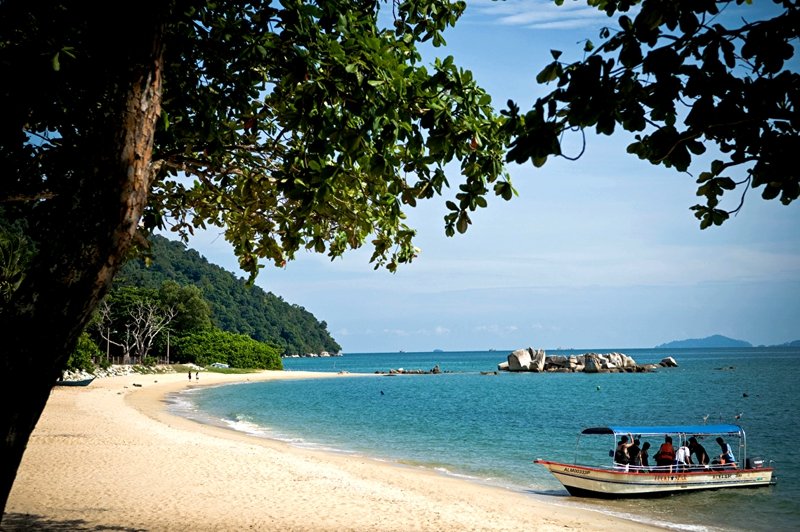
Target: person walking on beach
(190,375)
(197,375)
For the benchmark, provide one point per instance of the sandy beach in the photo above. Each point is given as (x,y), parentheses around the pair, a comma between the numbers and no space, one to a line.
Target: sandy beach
(111,457)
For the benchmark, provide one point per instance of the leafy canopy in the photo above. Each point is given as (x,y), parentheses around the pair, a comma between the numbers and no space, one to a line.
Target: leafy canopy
(309,126)
(681,79)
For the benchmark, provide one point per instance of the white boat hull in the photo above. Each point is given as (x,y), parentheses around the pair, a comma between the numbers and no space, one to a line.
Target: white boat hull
(602,482)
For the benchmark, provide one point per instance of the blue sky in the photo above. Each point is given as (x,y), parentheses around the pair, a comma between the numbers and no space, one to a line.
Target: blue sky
(599,253)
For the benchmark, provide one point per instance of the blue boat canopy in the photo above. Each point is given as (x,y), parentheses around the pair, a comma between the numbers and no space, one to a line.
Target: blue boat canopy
(697,430)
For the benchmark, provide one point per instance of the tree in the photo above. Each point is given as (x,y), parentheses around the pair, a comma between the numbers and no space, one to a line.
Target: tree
(132,318)
(236,350)
(146,320)
(683,82)
(15,253)
(293,125)
(81,358)
(192,312)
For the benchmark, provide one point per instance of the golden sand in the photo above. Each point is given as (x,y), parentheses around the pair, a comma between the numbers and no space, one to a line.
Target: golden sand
(111,457)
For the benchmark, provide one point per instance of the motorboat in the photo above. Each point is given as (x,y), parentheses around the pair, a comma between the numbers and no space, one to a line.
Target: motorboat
(594,473)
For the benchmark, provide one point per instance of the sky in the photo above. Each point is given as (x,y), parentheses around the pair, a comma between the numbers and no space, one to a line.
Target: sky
(600,253)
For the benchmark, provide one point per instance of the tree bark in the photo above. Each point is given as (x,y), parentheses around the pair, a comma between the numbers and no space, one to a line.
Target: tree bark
(83,239)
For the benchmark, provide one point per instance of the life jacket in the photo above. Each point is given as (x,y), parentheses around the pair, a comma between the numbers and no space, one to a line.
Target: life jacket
(666,452)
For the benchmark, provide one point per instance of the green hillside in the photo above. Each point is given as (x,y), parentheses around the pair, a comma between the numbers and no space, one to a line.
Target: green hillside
(716,340)
(235,306)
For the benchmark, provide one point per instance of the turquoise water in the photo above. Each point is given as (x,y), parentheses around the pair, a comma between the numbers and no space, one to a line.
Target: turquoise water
(489,428)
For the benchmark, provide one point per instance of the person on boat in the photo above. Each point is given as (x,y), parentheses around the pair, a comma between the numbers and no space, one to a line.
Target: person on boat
(726,457)
(634,453)
(683,457)
(644,457)
(621,456)
(666,453)
(698,451)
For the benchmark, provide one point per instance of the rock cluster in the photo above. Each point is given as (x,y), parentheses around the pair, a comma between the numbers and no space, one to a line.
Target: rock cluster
(536,360)
(400,371)
(321,354)
(121,370)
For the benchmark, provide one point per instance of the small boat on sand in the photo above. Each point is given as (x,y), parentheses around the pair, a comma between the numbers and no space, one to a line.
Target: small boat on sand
(81,382)
(607,479)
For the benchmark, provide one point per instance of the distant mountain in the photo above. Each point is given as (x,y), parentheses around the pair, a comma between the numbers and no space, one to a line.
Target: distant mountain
(795,343)
(235,306)
(710,341)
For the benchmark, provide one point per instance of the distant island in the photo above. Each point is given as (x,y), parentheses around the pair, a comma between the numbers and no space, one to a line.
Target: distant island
(794,343)
(716,340)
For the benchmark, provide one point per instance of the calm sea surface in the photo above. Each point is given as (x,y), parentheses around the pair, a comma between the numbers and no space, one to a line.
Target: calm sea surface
(490,428)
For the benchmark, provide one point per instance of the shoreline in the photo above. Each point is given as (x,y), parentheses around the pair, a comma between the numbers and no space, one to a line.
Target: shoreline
(112,455)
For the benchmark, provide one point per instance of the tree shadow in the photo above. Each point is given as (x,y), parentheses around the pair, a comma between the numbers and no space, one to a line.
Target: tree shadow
(14,522)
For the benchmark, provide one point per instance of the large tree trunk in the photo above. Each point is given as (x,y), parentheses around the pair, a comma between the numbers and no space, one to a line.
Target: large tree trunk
(85,238)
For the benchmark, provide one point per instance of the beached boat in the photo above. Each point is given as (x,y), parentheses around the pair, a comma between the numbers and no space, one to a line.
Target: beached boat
(81,382)
(611,480)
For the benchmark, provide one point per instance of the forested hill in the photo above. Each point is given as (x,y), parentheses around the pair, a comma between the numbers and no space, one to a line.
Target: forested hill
(716,340)
(235,307)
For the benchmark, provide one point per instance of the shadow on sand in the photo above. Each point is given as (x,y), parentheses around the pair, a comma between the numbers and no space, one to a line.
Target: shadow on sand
(19,522)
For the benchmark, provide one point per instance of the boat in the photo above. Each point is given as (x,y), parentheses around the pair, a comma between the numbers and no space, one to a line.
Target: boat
(81,382)
(612,480)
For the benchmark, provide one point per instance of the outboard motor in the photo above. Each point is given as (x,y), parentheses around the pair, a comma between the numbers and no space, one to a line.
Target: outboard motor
(754,463)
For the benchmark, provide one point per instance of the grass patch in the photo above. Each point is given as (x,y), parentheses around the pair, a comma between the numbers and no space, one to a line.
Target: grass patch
(183,368)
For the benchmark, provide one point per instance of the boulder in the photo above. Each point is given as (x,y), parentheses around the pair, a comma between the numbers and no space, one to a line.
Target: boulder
(556,362)
(668,362)
(591,364)
(537,359)
(519,360)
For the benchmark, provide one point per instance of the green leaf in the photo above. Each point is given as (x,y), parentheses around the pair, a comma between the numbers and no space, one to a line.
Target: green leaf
(463,222)
(549,73)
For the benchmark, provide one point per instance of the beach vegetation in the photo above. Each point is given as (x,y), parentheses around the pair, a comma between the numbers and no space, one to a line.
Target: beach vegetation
(132,319)
(231,371)
(237,350)
(230,302)
(82,358)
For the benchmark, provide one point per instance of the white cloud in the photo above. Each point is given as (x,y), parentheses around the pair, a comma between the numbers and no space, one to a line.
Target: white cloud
(539,14)
(497,329)
(396,332)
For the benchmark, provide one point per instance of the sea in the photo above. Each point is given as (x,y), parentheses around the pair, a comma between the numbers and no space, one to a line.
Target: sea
(488,428)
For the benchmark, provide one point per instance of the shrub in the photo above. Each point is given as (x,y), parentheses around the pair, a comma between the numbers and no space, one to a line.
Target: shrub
(236,350)
(81,358)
